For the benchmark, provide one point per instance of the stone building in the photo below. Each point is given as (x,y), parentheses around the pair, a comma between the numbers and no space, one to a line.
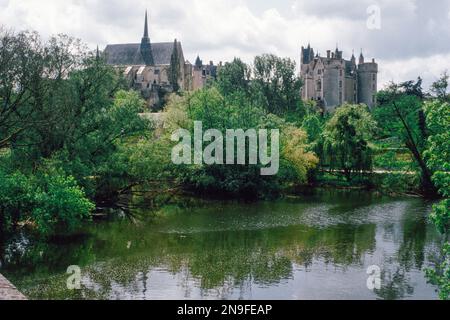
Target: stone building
(148,66)
(332,81)
(202,74)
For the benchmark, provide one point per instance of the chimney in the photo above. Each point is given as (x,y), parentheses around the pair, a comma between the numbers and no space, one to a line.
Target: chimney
(328,54)
(373,60)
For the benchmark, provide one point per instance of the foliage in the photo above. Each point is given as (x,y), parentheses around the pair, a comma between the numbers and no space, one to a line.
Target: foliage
(400,114)
(275,78)
(313,126)
(438,158)
(216,111)
(271,84)
(234,77)
(62,105)
(346,138)
(439,87)
(49,199)
(441,275)
(174,72)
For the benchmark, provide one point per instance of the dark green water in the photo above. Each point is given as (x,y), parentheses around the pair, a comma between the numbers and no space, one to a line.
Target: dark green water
(310,247)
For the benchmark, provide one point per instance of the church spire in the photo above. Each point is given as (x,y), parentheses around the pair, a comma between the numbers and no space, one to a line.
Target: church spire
(146,25)
(146,46)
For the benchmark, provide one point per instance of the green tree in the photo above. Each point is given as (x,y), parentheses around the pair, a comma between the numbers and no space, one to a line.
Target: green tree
(60,104)
(439,87)
(438,158)
(400,114)
(174,72)
(346,139)
(234,77)
(216,111)
(276,84)
(49,199)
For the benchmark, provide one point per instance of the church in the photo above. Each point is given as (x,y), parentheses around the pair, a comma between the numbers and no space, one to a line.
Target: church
(156,69)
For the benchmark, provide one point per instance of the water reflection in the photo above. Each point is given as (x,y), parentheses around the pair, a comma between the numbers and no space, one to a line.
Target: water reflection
(311,247)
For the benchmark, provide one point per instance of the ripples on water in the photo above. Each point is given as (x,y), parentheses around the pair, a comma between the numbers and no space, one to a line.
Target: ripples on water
(311,247)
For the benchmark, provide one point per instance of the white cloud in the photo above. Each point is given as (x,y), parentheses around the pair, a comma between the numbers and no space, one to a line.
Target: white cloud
(413,40)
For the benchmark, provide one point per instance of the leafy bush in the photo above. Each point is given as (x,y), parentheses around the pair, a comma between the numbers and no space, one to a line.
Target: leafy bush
(50,200)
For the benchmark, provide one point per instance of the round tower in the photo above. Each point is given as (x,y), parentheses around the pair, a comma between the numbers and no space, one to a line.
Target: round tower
(367,82)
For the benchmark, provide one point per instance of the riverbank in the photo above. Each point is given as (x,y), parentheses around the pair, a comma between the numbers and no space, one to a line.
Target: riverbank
(8,291)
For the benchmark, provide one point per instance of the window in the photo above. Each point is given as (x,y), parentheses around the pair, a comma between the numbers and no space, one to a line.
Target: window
(373,99)
(340,84)
(319,85)
(340,72)
(156,71)
(374,77)
(319,71)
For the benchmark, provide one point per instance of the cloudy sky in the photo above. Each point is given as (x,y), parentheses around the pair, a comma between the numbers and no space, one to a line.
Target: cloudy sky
(413,37)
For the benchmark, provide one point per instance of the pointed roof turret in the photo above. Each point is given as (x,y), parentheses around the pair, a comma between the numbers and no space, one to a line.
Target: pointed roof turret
(361,58)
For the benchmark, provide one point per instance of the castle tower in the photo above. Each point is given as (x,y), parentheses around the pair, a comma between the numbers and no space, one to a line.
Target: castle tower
(307,55)
(367,82)
(146,46)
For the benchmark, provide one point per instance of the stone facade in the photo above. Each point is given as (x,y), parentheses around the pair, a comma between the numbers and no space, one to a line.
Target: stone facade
(147,67)
(332,81)
(202,74)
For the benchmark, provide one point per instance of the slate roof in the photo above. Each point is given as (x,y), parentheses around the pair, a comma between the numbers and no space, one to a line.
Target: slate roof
(129,54)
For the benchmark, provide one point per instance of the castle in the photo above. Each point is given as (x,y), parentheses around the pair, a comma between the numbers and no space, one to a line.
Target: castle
(155,69)
(332,81)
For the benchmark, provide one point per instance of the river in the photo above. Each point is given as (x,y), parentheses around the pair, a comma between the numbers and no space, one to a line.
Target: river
(318,246)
